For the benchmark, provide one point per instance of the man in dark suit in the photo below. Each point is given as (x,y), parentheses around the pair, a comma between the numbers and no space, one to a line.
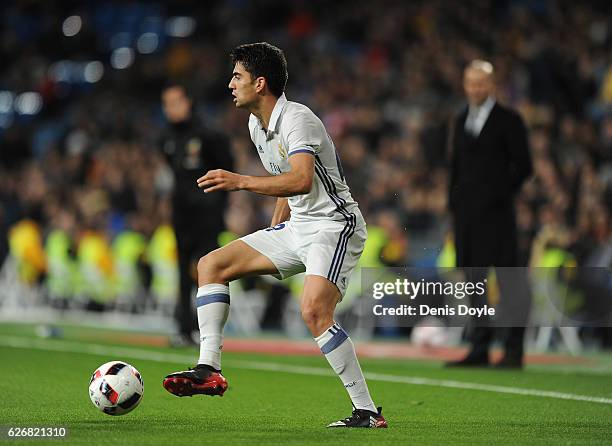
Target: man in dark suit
(191,150)
(489,162)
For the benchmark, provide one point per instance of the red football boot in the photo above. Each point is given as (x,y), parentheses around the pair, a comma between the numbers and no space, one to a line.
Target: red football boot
(199,380)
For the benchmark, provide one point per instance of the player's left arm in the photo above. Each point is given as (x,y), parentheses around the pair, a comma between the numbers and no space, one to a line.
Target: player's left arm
(297,181)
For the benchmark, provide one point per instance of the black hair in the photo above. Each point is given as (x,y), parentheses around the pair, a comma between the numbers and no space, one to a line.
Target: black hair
(263,60)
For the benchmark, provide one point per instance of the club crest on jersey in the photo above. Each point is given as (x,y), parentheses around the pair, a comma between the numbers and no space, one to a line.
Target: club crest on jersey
(192,153)
(282,151)
(194,145)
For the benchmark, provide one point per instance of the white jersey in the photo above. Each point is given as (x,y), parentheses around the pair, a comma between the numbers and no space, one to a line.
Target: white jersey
(294,128)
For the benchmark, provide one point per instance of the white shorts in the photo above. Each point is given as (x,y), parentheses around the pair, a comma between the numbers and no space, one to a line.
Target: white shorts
(326,248)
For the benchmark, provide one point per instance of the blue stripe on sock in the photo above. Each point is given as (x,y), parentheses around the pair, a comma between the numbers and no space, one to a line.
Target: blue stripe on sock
(335,342)
(212,298)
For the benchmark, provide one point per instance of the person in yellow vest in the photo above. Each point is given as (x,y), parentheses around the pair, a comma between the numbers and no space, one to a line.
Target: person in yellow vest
(448,256)
(129,253)
(25,245)
(62,272)
(96,268)
(163,259)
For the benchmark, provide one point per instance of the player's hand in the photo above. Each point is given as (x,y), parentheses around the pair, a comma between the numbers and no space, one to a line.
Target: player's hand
(220,179)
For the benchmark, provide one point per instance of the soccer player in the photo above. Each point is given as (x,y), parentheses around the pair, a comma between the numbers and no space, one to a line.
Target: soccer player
(324,235)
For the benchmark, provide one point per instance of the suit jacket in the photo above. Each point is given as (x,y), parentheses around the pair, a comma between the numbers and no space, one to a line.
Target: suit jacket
(487,171)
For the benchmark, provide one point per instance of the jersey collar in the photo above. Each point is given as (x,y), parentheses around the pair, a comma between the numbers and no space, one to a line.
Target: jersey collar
(276,112)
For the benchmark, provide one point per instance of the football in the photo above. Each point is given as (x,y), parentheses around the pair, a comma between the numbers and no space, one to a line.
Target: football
(430,332)
(116,388)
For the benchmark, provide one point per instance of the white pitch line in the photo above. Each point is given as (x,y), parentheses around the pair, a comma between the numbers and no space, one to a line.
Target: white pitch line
(424,382)
(149,355)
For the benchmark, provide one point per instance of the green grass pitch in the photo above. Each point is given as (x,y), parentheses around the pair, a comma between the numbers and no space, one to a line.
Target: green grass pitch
(44,383)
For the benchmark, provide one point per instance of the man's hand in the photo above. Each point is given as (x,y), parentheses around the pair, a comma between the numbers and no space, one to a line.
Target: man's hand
(220,179)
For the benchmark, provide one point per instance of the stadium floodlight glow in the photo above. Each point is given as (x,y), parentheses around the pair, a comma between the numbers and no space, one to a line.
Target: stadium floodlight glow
(72,26)
(122,58)
(6,101)
(28,103)
(180,26)
(147,43)
(93,71)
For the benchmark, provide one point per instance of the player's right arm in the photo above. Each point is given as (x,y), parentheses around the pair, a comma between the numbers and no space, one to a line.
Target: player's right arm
(297,181)
(281,211)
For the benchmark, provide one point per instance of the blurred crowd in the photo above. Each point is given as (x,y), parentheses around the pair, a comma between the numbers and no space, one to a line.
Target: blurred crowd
(80,110)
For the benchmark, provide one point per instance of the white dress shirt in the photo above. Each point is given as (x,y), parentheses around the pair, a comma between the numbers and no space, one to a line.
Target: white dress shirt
(478,115)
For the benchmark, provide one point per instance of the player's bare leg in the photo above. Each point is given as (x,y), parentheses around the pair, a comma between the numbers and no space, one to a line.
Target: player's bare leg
(215,271)
(319,301)
(232,262)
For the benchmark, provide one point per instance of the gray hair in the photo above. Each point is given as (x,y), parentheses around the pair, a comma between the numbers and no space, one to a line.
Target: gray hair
(481,65)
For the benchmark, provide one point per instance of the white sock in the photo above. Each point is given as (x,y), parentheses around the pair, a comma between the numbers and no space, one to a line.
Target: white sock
(213,307)
(340,353)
